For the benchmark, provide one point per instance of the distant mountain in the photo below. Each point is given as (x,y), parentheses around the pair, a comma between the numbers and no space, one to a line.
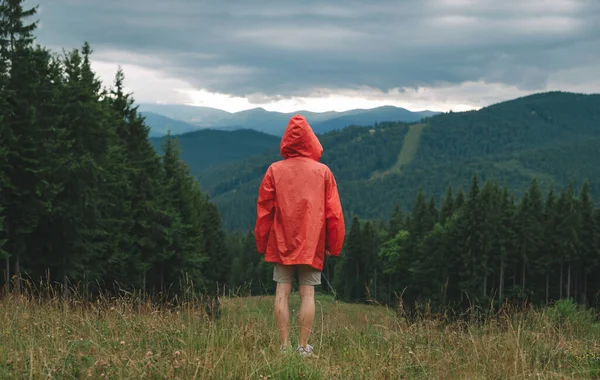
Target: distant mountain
(554,137)
(262,120)
(274,123)
(369,117)
(159,125)
(198,116)
(209,147)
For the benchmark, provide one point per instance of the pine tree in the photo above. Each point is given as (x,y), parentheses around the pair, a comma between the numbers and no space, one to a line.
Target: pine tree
(219,263)
(529,225)
(80,236)
(420,224)
(471,230)
(254,269)
(396,260)
(453,253)
(547,258)
(144,219)
(396,225)
(505,235)
(5,138)
(587,252)
(595,281)
(47,74)
(237,248)
(429,271)
(422,220)
(568,233)
(3,253)
(24,195)
(433,211)
(370,242)
(490,250)
(447,208)
(350,275)
(459,202)
(396,222)
(185,201)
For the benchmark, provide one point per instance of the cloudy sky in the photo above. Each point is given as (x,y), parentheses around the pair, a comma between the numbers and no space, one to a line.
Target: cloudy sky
(334,55)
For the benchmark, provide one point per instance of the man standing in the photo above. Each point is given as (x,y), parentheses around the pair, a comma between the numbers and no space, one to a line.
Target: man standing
(299,220)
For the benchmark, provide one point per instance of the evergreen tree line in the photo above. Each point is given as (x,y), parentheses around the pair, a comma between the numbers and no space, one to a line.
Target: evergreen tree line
(85,199)
(477,248)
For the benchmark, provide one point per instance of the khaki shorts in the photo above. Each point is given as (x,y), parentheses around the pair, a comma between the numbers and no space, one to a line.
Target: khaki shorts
(307,275)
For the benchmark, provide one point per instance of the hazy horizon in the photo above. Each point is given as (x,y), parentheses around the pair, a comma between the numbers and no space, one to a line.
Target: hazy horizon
(267,108)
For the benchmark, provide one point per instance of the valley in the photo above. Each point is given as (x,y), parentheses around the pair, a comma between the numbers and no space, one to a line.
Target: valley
(551,136)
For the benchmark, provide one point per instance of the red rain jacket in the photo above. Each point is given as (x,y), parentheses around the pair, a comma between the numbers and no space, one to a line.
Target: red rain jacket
(299,214)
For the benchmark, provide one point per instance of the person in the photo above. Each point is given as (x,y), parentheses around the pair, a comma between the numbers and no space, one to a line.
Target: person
(299,220)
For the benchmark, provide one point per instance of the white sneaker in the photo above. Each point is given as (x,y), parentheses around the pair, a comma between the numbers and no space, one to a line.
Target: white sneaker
(305,351)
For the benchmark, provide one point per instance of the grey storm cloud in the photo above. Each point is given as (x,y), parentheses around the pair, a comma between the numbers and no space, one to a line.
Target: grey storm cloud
(275,48)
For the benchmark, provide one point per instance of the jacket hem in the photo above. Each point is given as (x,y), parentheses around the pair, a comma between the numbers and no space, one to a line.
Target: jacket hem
(310,263)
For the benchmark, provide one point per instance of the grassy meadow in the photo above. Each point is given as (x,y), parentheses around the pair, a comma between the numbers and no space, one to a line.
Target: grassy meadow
(120,339)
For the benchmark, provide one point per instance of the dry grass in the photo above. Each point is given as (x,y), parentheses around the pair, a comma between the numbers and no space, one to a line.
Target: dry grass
(118,340)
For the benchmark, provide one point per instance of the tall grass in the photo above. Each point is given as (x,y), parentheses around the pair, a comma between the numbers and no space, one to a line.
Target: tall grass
(125,337)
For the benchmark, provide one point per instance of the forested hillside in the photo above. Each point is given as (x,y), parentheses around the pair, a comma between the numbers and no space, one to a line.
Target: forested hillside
(210,147)
(553,137)
(86,200)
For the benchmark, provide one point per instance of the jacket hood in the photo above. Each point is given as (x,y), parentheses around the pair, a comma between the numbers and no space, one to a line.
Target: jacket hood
(300,140)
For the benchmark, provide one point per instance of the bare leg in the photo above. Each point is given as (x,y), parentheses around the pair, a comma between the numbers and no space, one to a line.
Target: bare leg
(307,312)
(282,312)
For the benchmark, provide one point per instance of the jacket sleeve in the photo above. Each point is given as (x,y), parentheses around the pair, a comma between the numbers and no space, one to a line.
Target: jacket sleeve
(265,208)
(334,217)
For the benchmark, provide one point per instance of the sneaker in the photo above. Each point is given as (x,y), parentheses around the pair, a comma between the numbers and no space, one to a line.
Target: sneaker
(305,352)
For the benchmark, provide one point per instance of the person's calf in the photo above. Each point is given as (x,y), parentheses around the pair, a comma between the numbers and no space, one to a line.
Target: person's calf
(282,313)
(307,313)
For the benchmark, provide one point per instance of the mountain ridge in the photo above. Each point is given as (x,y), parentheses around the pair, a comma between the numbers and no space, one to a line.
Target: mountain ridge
(270,122)
(160,125)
